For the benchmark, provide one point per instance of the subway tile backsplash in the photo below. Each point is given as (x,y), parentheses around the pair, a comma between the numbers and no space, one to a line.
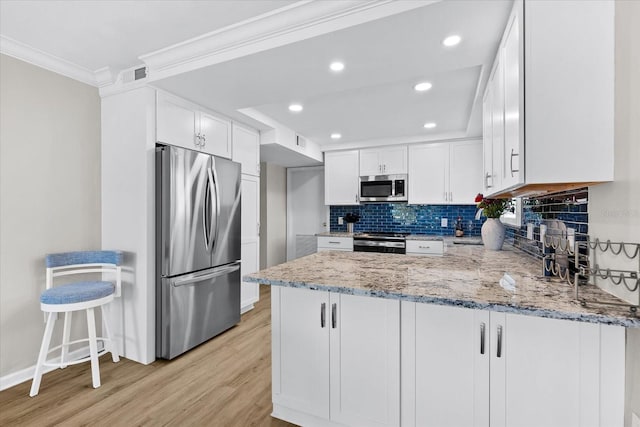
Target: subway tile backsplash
(404,218)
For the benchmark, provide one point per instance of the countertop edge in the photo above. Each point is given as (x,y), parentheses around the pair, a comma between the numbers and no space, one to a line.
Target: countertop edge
(529,311)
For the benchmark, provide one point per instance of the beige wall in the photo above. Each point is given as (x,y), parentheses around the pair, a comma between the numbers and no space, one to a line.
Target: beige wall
(273,215)
(614,208)
(49,193)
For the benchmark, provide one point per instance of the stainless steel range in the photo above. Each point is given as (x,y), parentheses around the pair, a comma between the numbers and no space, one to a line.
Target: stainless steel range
(380,242)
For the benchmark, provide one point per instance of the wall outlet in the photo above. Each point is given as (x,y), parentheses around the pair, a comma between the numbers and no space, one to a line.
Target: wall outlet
(340,220)
(444,222)
(635,420)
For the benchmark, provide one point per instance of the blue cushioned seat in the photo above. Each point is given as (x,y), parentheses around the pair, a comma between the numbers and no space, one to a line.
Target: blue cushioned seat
(77,292)
(84,257)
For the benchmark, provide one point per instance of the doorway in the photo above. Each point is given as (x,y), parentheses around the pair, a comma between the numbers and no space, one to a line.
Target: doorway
(306,211)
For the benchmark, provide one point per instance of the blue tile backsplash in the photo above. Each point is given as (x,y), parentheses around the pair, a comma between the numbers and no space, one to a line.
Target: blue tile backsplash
(404,218)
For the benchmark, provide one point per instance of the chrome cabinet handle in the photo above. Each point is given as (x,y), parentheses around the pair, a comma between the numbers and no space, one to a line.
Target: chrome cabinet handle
(334,243)
(197,141)
(323,314)
(356,198)
(486,180)
(424,247)
(445,195)
(511,162)
(334,315)
(451,196)
(482,329)
(499,351)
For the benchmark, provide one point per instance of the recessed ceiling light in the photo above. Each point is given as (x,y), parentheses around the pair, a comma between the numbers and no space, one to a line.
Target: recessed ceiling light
(296,108)
(429,125)
(451,40)
(421,87)
(336,66)
(336,136)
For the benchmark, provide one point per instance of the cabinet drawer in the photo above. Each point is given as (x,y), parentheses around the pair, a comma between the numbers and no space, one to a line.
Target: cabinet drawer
(340,243)
(425,247)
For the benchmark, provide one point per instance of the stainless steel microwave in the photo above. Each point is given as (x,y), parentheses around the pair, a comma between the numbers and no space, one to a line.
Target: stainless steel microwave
(383,188)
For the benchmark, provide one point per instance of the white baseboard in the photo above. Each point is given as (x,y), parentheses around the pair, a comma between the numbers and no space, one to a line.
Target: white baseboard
(26,374)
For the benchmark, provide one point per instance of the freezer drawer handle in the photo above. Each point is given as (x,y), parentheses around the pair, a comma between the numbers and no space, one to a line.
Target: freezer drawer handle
(221,271)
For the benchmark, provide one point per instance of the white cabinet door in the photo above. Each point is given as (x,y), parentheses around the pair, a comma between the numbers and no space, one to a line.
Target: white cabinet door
(394,160)
(544,372)
(250,239)
(384,161)
(445,366)
(488,177)
(300,350)
(246,149)
(465,172)
(176,122)
(369,163)
(341,179)
(365,360)
(513,99)
(215,135)
(497,121)
(428,173)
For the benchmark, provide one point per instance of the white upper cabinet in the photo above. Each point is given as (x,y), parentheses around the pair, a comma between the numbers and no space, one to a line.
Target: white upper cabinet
(215,135)
(246,149)
(555,70)
(182,123)
(341,178)
(445,173)
(383,161)
(428,173)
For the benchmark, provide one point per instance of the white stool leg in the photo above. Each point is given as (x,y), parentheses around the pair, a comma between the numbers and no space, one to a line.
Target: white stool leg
(93,348)
(66,332)
(113,347)
(42,357)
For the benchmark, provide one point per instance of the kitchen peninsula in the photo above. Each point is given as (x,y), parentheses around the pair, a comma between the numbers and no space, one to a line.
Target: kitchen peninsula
(387,339)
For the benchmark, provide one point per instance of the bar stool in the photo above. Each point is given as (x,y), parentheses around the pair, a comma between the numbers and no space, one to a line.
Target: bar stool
(75,296)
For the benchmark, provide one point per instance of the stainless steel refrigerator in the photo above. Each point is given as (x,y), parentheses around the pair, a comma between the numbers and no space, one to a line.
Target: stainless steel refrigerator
(197,248)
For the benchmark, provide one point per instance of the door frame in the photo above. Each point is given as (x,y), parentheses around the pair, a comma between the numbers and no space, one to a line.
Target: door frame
(290,236)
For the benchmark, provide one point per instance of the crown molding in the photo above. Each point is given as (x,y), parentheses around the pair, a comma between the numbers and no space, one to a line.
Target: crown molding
(39,58)
(415,139)
(295,22)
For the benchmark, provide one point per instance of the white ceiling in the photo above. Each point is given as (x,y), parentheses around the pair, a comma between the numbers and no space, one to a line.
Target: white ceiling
(371,100)
(94,34)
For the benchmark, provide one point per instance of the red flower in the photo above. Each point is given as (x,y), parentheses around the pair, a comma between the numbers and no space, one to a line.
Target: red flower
(479,198)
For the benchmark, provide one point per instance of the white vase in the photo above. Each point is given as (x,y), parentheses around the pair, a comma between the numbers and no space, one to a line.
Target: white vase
(493,234)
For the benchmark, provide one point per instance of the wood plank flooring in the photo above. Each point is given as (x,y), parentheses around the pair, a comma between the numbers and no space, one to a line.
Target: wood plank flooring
(224,382)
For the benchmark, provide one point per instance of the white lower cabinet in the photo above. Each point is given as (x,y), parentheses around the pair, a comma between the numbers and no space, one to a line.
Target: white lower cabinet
(479,368)
(336,358)
(329,243)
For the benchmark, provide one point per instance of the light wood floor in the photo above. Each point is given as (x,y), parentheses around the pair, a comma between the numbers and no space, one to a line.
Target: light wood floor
(224,382)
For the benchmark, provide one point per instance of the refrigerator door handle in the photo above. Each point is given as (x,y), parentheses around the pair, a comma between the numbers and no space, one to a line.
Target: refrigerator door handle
(206,229)
(220,271)
(213,176)
(210,187)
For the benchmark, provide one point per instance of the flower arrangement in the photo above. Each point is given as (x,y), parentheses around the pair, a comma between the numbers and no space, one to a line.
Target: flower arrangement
(491,208)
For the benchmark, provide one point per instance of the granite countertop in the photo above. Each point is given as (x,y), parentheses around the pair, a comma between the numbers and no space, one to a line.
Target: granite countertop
(466,276)
(335,234)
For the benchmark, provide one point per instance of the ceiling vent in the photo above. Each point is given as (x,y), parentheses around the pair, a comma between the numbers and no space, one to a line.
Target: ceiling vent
(140,73)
